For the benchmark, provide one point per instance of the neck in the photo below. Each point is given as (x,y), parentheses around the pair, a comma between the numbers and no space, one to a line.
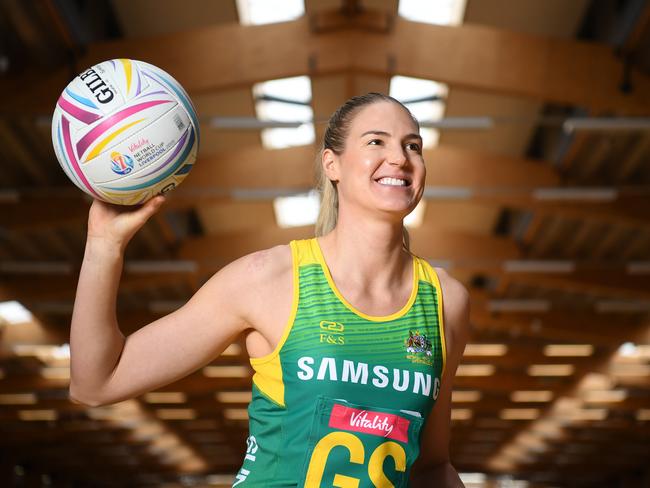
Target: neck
(371,250)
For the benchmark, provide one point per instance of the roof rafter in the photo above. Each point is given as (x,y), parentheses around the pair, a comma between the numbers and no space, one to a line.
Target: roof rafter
(484,58)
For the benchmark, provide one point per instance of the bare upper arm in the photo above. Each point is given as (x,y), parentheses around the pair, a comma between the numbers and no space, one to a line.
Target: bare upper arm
(435,443)
(177,344)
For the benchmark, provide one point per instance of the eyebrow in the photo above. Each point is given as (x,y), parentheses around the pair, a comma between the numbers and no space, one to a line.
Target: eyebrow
(384,133)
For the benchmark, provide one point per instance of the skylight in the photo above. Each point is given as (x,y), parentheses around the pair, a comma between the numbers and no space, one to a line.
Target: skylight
(14,312)
(256,12)
(425,100)
(440,12)
(285,100)
(297,210)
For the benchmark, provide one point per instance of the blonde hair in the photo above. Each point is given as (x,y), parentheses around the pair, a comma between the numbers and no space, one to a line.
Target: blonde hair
(334,139)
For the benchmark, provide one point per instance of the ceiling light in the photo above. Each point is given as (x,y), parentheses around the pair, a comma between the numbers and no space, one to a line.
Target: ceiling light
(447,193)
(462,396)
(34,415)
(485,350)
(44,352)
(627,349)
(165,397)
(18,399)
(538,266)
(470,123)
(176,413)
(519,413)
(253,123)
(461,414)
(227,371)
(234,396)
(235,413)
(568,350)
(513,305)
(56,373)
(475,370)
(606,123)
(525,396)
(550,370)
(577,194)
(13,312)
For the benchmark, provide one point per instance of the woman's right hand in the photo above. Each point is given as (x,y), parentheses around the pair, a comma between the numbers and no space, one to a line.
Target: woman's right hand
(116,224)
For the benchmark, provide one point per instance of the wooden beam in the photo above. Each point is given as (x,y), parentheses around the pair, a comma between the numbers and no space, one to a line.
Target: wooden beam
(615,283)
(485,58)
(582,328)
(478,57)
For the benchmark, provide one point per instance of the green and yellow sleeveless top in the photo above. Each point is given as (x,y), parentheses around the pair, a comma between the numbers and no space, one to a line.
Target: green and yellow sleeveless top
(342,399)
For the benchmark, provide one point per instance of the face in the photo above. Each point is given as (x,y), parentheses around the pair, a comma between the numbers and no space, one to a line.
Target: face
(381,168)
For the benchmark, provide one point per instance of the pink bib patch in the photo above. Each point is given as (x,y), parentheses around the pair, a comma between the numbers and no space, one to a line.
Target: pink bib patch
(375,423)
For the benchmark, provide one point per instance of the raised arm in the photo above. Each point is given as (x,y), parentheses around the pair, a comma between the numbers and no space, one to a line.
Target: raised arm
(107,367)
(434,467)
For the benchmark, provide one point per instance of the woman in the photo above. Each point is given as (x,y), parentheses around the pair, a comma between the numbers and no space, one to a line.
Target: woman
(353,366)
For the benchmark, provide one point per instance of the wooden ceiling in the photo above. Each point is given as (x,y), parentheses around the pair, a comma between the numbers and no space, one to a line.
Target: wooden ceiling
(543,268)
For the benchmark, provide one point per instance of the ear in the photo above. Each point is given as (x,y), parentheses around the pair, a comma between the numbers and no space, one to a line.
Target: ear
(330,162)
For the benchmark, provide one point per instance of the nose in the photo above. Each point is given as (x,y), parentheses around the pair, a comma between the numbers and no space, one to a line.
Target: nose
(397,157)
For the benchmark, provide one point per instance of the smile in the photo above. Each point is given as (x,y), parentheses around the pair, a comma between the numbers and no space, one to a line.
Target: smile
(386,181)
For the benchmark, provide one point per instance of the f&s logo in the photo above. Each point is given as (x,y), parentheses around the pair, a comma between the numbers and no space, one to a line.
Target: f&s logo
(331,332)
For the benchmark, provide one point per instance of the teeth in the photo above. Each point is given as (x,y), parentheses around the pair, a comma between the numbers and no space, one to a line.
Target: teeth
(392,181)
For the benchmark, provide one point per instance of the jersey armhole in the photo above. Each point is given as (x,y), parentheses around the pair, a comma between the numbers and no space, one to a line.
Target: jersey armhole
(441,326)
(294,308)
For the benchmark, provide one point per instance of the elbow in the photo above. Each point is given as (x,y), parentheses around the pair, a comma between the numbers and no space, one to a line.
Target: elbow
(82,398)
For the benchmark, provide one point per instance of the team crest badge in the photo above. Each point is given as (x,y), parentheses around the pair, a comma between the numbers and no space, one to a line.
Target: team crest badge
(419,348)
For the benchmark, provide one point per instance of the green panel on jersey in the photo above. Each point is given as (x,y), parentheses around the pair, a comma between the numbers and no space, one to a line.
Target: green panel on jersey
(344,396)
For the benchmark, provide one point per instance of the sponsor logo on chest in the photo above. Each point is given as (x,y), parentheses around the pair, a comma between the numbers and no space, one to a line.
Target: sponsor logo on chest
(369,422)
(376,376)
(331,333)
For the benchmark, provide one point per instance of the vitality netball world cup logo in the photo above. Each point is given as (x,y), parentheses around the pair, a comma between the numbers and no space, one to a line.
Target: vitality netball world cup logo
(121,164)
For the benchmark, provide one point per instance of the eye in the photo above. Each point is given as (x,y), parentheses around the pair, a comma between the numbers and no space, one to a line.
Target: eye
(375,142)
(414,146)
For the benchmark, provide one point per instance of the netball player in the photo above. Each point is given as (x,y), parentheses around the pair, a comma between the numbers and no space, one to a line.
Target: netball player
(353,339)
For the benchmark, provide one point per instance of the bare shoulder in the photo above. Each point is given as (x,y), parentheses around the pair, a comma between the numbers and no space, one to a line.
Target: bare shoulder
(269,261)
(456,304)
(259,266)
(453,291)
